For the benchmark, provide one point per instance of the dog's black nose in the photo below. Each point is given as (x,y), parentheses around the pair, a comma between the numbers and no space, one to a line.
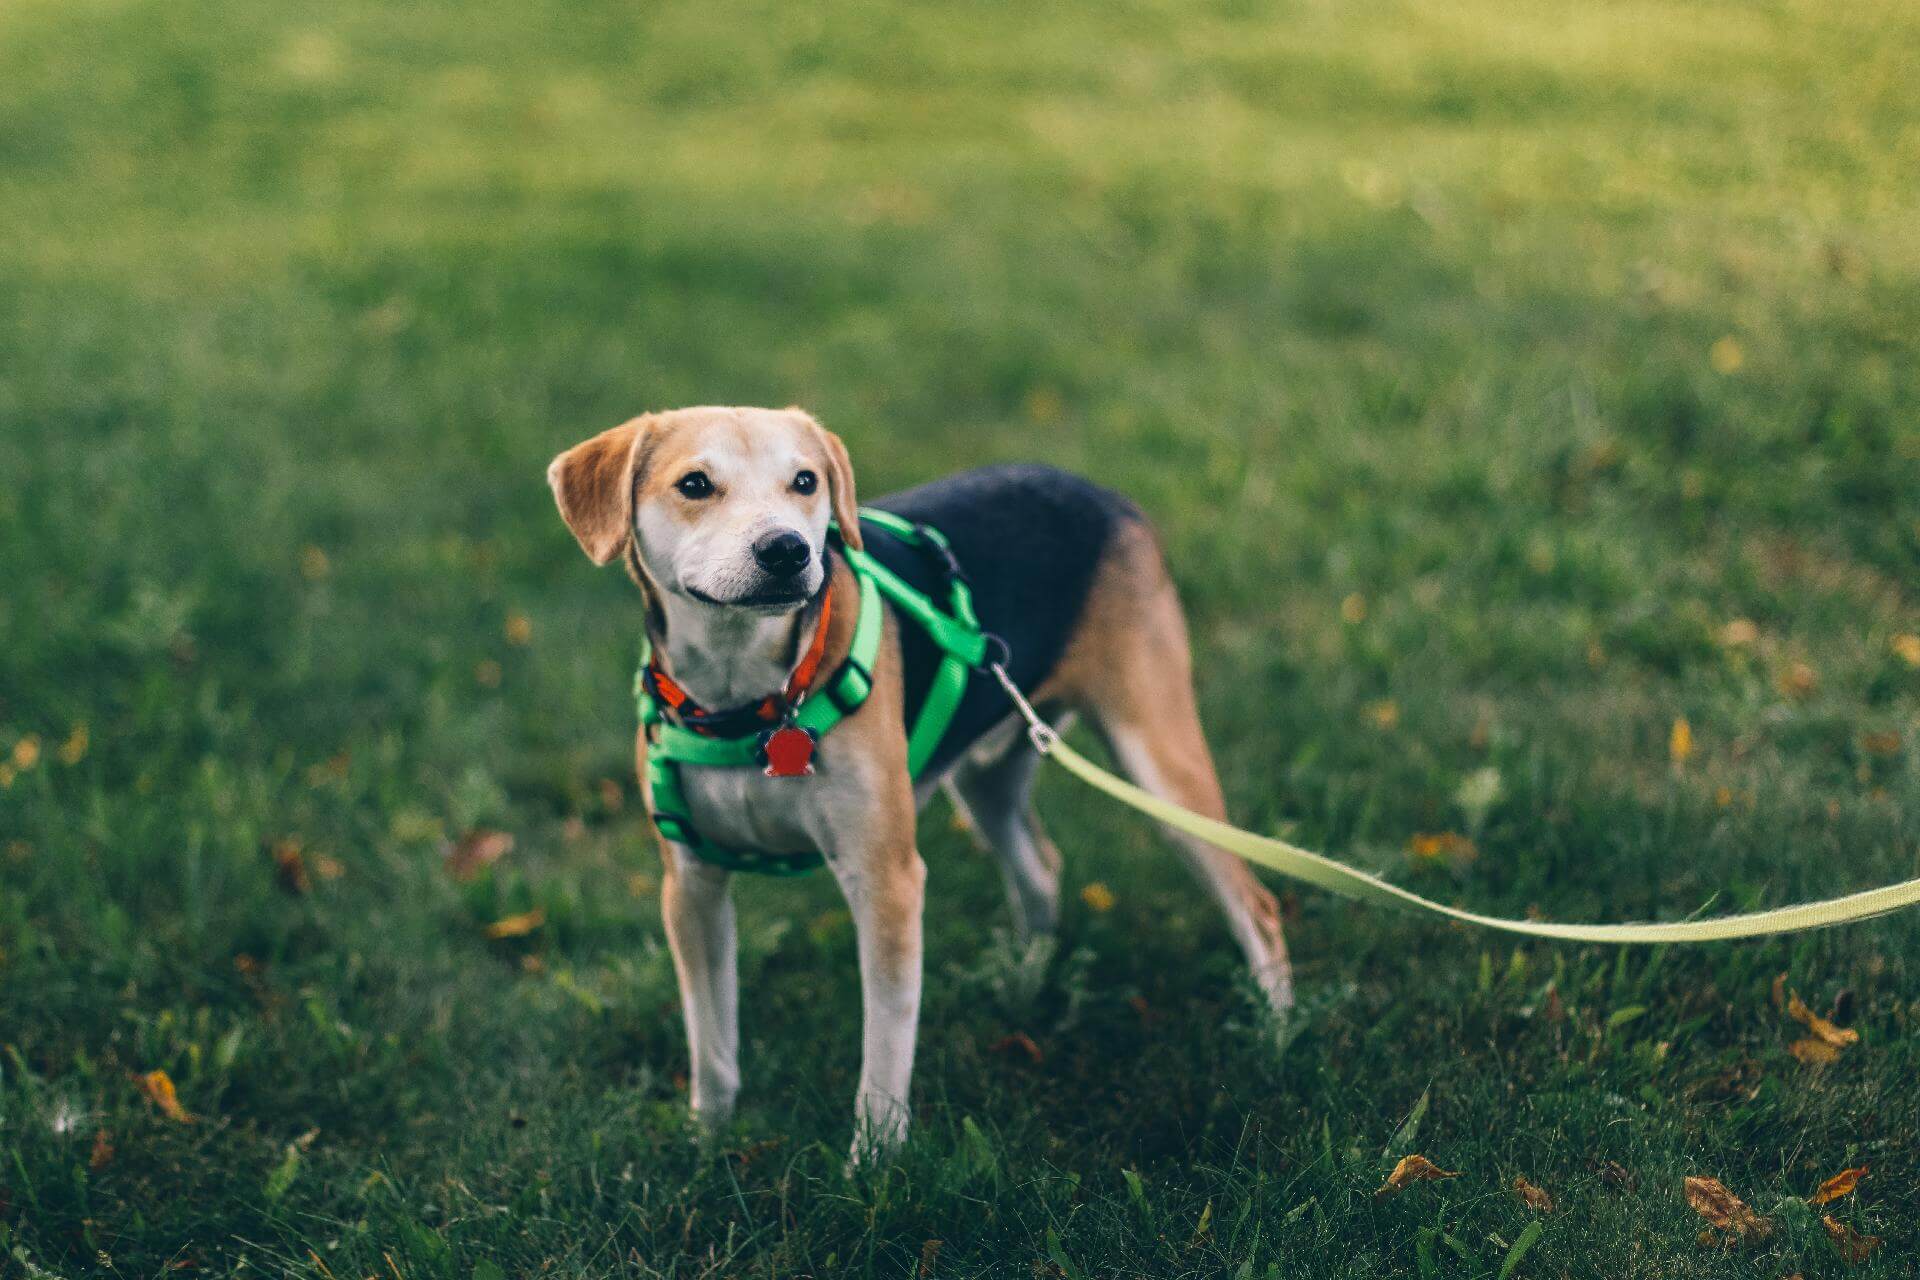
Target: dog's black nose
(782,554)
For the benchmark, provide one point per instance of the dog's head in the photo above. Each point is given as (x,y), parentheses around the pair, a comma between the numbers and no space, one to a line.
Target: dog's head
(721,505)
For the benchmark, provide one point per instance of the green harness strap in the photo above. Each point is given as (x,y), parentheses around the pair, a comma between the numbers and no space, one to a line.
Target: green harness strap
(956,632)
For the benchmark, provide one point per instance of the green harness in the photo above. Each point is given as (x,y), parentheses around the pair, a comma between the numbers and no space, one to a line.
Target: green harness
(956,631)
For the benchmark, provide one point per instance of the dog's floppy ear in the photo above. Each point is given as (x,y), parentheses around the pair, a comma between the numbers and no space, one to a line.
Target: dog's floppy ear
(846,508)
(593,483)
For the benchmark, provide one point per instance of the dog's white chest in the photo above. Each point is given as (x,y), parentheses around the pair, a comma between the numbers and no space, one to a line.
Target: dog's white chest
(743,808)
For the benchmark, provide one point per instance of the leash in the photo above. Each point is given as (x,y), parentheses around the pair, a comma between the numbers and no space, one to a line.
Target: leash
(1323,872)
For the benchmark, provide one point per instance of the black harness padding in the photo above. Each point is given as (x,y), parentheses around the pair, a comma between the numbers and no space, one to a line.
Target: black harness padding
(1029,539)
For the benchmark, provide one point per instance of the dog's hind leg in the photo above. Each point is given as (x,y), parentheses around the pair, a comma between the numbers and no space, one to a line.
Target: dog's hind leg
(994,794)
(1130,667)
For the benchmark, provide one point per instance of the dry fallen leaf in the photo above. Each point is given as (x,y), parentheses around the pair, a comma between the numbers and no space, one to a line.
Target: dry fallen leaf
(102,1154)
(290,866)
(1097,896)
(1018,1042)
(1617,1176)
(1779,996)
(1411,1169)
(1814,1052)
(1740,631)
(1536,1198)
(1854,1247)
(480,848)
(1383,715)
(1799,680)
(1723,1209)
(519,629)
(517,926)
(1908,649)
(1838,1037)
(1884,743)
(158,1086)
(1840,1184)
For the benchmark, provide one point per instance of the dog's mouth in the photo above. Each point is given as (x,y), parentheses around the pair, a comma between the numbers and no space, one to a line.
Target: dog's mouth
(766,601)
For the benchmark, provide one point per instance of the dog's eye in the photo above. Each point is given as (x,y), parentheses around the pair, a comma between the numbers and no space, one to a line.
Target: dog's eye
(806,482)
(695,485)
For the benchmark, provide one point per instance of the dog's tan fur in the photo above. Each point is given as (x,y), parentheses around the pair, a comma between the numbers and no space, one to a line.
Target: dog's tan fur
(1126,667)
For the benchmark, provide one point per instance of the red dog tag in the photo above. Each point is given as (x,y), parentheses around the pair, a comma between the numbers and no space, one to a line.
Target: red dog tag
(788,752)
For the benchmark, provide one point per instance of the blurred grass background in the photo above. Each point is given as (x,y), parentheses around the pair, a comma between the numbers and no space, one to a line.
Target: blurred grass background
(1510,381)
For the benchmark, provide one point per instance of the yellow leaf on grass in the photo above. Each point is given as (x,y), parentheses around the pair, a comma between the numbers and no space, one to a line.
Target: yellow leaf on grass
(1383,715)
(1907,649)
(26,752)
(74,749)
(1680,740)
(1097,896)
(1854,1247)
(1838,1037)
(519,629)
(1726,356)
(1813,1052)
(1536,1198)
(1840,1184)
(1445,844)
(1411,1169)
(518,926)
(158,1086)
(1723,1209)
(1740,631)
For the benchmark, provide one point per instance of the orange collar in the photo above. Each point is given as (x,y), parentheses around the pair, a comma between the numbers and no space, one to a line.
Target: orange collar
(770,708)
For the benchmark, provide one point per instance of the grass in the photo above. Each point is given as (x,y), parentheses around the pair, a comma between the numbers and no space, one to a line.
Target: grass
(1482,363)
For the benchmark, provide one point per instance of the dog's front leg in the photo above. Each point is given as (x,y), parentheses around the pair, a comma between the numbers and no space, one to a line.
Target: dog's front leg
(698,911)
(884,881)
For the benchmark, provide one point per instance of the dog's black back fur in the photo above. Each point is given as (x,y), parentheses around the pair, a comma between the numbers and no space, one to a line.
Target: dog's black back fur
(1029,539)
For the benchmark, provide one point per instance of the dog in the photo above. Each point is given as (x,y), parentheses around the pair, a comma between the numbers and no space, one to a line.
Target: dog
(722,517)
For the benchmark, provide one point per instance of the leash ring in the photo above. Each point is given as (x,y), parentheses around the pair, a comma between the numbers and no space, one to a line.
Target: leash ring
(998,653)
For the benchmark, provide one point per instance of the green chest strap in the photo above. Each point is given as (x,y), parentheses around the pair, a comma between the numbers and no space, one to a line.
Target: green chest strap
(955,630)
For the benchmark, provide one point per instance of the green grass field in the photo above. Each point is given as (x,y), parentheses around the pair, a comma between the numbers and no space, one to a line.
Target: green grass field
(1510,382)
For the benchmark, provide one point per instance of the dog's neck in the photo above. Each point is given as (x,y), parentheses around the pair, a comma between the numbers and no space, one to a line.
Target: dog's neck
(724,657)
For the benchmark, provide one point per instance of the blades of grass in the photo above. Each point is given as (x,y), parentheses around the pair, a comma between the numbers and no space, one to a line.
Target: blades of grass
(1403,1137)
(1058,1252)
(1526,1241)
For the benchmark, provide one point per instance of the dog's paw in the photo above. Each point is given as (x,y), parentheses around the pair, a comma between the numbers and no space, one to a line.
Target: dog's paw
(876,1138)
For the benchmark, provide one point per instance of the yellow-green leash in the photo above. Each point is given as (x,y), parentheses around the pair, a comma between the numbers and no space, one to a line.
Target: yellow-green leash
(1317,869)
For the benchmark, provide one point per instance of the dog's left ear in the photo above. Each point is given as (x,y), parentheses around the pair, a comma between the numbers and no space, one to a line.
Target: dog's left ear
(593,483)
(846,508)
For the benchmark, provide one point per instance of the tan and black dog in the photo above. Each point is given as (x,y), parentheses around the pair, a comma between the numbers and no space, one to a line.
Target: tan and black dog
(721,516)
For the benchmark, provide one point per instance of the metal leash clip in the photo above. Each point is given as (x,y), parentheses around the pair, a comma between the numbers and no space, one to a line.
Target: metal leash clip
(1039,731)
